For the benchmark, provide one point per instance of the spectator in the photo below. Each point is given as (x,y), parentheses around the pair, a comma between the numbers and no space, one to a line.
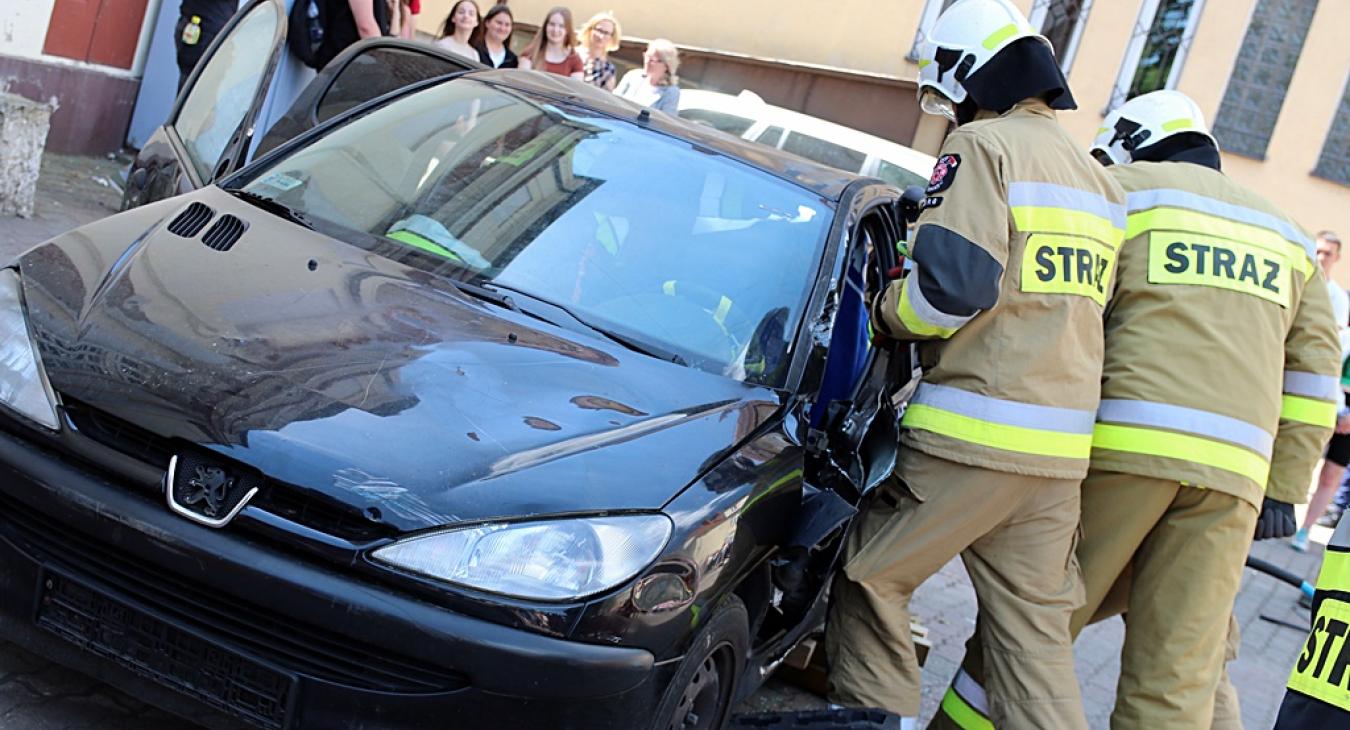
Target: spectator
(199,21)
(554,46)
(400,19)
(348,21)
(1338,448)
(493,41)
(459,28)
(600,35)
(655,85)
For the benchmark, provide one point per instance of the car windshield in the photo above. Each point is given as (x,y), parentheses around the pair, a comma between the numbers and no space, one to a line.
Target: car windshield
(632,232)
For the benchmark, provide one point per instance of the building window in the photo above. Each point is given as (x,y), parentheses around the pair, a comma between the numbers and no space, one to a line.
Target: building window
(1061,21)
(1157,49)
(1265,65)
(1334,164)
(931,10)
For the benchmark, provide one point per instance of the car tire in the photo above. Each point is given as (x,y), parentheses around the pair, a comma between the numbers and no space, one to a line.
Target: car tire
(700,695)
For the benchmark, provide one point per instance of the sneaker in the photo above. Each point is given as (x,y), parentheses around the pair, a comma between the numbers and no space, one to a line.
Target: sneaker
(1300,541)
(1330,517)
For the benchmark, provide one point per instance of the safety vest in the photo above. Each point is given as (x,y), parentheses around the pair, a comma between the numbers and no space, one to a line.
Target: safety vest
(1013,257)
(1222,358)
(1319,686)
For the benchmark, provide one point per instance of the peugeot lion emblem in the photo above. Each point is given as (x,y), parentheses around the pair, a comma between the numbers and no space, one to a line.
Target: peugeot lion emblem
(206,492)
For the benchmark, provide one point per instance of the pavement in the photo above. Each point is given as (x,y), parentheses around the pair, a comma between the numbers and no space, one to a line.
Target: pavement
(37,694)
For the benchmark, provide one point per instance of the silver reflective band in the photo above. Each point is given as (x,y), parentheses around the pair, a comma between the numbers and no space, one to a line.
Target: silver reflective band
(971,691)
(1050,195)
(1341,537)
(927,312)
(1006,412)
(1145,199)
(1310,385)
(1187,420)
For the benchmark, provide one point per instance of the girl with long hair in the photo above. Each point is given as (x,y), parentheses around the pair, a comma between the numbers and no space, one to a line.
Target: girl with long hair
(554,46)
(458,30)
(492,40)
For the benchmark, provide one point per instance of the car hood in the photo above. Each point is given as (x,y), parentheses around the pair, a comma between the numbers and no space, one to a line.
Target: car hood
(344,373)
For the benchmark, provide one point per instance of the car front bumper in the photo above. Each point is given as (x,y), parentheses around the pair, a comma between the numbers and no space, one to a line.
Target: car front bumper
(100,577)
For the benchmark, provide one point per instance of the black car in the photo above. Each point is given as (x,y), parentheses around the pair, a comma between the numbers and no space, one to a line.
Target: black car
(493,401)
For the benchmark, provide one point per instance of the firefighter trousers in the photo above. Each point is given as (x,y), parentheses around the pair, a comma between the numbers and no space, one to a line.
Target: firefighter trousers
(1170,558)
(1016,536)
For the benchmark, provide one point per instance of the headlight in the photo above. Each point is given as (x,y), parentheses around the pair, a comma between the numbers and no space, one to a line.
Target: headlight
(548,560)
(23,387)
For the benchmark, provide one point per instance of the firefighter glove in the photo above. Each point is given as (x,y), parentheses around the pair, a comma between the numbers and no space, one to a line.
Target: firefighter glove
(1276,520)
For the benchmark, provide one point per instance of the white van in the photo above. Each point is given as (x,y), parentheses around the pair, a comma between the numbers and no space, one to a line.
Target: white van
(747,116)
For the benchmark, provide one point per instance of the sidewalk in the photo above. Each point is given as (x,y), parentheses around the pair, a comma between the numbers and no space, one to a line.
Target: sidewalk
(69,195)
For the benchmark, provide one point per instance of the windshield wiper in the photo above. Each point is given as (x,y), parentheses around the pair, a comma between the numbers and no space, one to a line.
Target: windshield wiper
(271,205)
(488,295)
(649,349)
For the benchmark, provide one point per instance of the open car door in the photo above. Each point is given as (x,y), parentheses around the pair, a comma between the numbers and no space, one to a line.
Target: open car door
(365,71)
(210,130)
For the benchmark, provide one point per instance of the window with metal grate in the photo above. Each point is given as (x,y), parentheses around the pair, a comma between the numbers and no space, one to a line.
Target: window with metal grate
(1334,162)
(191,221)
(224,233)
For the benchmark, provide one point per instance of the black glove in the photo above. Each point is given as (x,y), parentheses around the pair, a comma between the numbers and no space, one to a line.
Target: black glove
(1276,520)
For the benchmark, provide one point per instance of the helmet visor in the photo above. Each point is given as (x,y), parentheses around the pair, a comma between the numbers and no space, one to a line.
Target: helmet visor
(935,102)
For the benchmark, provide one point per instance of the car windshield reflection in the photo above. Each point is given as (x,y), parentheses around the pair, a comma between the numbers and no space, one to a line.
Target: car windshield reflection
(632,231)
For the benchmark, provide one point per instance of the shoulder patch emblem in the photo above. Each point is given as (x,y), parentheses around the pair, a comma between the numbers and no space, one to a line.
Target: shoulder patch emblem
(944,172)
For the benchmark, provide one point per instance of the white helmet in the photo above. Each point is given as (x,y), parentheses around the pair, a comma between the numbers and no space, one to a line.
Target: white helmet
(1145,121)
(965,37)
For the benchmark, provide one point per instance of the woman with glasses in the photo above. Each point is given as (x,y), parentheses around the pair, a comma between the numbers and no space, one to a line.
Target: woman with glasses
(655,85)
(600,35)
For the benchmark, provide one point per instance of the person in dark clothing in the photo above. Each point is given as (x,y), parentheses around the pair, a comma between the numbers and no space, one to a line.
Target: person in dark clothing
(348,21)
(199,22)
(492,38)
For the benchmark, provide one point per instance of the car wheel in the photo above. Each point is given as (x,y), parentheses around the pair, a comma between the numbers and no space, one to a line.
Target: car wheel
(699,696)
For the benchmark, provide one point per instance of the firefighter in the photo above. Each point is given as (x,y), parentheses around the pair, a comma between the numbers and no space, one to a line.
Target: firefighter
(1218,394)
(1012,259)
(1319,687)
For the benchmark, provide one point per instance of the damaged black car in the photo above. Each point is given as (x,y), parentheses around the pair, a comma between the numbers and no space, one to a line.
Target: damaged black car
(493,401)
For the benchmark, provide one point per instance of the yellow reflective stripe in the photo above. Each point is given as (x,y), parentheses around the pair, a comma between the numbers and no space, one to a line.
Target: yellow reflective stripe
(1173,219)
(998,435)
(723,307)
(962,714)
(1195,449)
(924,62)
(1066,221)
(1319,671)
(1176,124)
(911,319)
(422,243)
(1335,575)
(1307,410)
(668,288)
(1100,130)
(1000,35)
(1231,265)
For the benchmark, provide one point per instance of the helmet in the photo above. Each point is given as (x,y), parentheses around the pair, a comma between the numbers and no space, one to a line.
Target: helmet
(1145,121)
(963,40)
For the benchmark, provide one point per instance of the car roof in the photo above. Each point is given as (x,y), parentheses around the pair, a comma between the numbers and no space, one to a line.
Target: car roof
(756,109)
(828,182)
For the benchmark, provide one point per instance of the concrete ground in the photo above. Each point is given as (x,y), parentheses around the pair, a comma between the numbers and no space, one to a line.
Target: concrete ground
(36,694)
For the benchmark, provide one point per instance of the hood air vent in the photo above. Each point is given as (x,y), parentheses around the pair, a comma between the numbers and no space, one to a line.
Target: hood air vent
(191,221)
(224,233)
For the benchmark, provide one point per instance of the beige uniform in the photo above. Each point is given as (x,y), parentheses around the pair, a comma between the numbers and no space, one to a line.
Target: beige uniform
(1013,257)
(1218,388)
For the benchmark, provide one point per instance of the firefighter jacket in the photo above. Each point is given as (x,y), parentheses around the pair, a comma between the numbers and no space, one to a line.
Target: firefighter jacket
(1319,686)
(1012,259)
(1221,353)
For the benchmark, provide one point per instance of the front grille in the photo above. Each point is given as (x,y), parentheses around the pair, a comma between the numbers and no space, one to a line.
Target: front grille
(248,628)
(102,624)
(224,233)
(191,221)
(283,500)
